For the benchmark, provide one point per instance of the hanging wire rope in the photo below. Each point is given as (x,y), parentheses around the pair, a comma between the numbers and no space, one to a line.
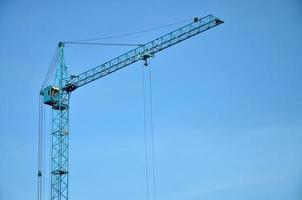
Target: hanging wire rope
(152,130)
(50,113)
(148,77)
(44,153)
(40,151)
(41,131)
(133,33)
(145,132)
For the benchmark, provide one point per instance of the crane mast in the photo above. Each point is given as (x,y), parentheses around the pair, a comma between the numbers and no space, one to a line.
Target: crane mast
(57,95)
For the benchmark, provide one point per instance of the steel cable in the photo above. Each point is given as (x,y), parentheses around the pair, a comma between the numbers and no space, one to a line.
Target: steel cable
(152,130)
(148,77)
(145,132)
(40,150)
(132,33)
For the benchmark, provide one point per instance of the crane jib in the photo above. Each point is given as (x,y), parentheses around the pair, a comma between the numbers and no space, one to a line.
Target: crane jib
(143,52)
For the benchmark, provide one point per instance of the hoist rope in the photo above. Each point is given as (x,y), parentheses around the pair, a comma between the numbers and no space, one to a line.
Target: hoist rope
(50,139)
(152,132)
(40,151)
(145,132)
(149,79)
(133,33)
(44,152)
(41,131)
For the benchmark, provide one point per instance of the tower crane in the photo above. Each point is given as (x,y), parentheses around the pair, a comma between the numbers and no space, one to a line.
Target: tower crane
(57,96)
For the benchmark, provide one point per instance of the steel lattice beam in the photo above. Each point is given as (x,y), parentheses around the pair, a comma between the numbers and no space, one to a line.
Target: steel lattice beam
(60,136)
(143,52)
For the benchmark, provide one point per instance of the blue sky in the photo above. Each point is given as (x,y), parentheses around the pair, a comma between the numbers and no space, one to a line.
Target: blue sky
(227,103)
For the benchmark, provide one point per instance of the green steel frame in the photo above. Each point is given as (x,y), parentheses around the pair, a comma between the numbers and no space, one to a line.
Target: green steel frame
(67,83)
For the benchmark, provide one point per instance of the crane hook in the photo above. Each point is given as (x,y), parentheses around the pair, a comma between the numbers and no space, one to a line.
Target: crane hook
(146,62)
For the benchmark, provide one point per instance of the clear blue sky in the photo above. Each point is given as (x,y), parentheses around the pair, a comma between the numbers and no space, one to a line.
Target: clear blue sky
(227,103)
